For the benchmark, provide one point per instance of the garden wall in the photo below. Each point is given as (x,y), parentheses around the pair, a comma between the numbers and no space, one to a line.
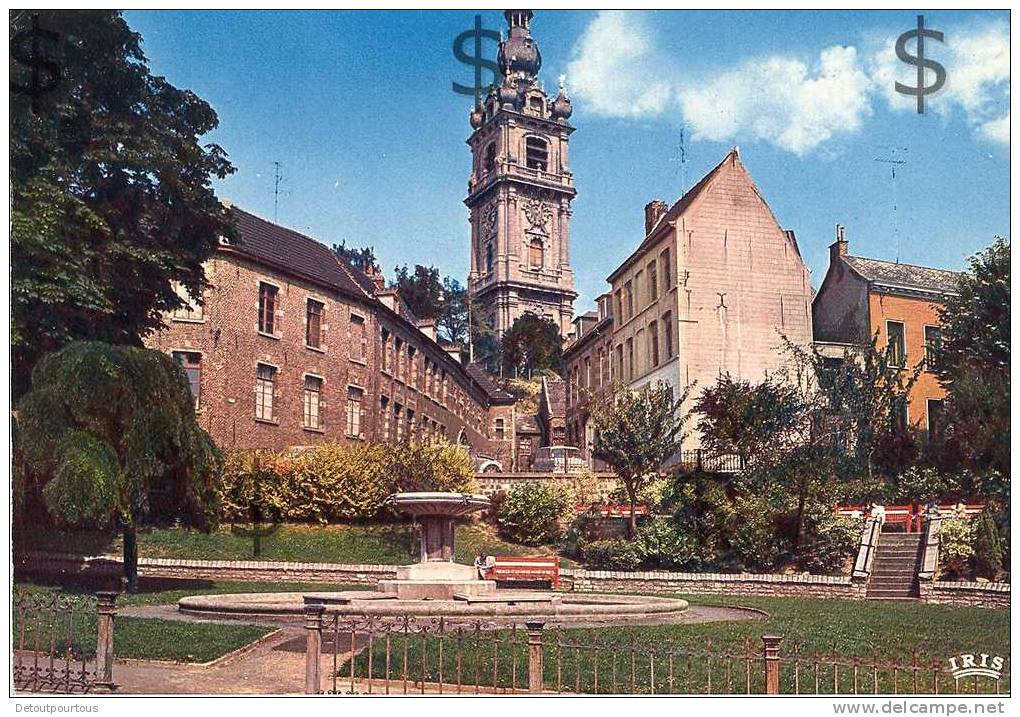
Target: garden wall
(816,586)
(992,595)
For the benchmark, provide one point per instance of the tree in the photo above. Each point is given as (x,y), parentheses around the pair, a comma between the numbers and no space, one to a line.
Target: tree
(987,547)
(362,259)
(111,196)
(431,296)
(973,362)
(532,343)
(108,436)
(636,432)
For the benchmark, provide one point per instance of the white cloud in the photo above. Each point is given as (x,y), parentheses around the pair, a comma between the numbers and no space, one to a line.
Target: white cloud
(976,60)
(795,103)
(782,101)
(613,66)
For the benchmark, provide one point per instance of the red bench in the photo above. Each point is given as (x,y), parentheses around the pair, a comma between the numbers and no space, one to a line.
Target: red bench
(526,568)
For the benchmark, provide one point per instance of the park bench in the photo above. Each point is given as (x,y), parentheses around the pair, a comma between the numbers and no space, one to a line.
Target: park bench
(526,568)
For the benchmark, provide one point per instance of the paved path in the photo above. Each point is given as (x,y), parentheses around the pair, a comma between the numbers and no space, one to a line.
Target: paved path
(276,665)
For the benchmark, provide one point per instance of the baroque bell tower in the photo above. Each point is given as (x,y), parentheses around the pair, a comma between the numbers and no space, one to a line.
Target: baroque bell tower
(519,192)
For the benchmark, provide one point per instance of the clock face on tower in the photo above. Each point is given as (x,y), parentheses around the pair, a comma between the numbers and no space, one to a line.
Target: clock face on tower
(520,193)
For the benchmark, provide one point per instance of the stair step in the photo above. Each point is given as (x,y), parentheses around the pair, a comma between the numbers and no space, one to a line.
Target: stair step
(891,599)
(876,592)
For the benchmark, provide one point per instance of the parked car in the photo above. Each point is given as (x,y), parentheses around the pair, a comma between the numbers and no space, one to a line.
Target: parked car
(487,464)
(558,459)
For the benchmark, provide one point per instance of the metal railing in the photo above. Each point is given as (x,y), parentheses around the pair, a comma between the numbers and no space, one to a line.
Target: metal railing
(702,460)
(63,643)
(405,655)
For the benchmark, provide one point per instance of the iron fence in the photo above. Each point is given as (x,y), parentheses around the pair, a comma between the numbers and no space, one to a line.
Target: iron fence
(63,643)
(406,655)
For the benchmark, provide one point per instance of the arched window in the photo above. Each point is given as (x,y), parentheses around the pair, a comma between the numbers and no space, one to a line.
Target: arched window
(536,153)
(535,253)
(489,163)
(488,258)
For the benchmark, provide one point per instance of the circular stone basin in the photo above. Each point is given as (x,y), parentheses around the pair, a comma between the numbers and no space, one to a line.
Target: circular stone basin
(555,608)
(446,505)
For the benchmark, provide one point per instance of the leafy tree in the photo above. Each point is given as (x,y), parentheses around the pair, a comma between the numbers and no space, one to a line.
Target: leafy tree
(636,432)
(973,363)
(361,259)
(111,196)
(431,296)
(987,547)
(532,343)
(108,436)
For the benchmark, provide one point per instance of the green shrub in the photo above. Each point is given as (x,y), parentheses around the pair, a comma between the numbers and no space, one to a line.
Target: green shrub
(956,547)
(534,514)
(987,548)
(611,555)
(835,540)
(662,545)
(754,541)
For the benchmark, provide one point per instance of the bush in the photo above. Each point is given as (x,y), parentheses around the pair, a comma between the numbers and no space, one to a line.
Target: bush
(662,545)
(755,541)
(333,482)
(956,541)
(611,555)
(835,541)
(534,514)
(987,548)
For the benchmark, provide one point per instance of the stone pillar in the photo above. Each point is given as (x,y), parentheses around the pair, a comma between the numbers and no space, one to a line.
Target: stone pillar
(771,650)
(106,611)
(535,675)
(313,645)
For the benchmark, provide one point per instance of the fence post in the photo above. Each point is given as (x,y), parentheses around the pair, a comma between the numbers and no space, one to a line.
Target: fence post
(535,672)
(313,645)
(771,650)
(106,610)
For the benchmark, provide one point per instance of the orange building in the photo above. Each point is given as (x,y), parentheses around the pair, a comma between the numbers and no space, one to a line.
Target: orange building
(862,297)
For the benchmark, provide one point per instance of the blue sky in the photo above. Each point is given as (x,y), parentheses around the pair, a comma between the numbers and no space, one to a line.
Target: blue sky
(358,109)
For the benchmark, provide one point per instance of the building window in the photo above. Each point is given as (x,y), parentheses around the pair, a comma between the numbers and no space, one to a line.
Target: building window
(384,412)
(412,373)
(313,324)
(628,299)
(653,283)
(536,153)
(359,338)
(313,393)
(535,253)
(619,305)
(896,348)
(587,372)
(354,397)
(489,163)
(667,333)
(500,429)
(265,383)
(191,362)
(385,358)
(653,344)
(192,310)
(602,368)
(619,362)
(535,103)
(398,359)
(639,342)
(667,274)
(630,359)
(398,411)
(934,416)
(267,307)
(488,258)
(932,345)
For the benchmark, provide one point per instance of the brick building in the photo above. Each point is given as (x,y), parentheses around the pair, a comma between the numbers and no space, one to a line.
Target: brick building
(712,289)
(861,298)
(292,346)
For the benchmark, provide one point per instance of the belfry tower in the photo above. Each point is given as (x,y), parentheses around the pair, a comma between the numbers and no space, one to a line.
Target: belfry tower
(519,192)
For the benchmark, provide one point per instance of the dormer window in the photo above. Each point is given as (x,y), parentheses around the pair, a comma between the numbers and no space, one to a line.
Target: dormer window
(536,153)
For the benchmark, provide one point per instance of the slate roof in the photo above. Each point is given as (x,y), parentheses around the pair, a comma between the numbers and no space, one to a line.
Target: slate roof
(893,275)
(484,379)
(294,252)
(554,396)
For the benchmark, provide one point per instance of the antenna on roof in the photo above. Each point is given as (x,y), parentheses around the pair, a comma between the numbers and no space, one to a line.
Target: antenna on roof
(894,161)
(277,179)
(681,159)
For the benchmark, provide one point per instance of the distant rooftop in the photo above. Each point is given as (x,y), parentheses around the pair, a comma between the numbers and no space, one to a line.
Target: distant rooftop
(904,276)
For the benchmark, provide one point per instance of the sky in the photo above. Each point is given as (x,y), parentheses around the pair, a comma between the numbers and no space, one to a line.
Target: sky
(358,109)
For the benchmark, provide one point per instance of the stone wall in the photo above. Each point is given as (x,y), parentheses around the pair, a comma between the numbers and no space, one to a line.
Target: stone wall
(990,595)
(816,586)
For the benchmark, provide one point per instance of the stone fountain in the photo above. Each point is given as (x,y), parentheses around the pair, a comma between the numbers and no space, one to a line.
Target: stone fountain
(436,576)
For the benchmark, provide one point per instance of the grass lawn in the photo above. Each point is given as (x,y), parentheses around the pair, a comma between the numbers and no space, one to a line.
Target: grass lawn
(392,544)
(157,639)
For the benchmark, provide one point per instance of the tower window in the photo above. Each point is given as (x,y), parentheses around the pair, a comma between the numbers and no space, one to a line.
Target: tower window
(535,253)
(536,104)
(488,258)
(489,162)
(536,153)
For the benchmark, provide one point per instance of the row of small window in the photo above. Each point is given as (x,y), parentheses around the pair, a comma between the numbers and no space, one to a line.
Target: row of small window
(648,278)
(630,362)
(266,376)
(399,423)
(896,343)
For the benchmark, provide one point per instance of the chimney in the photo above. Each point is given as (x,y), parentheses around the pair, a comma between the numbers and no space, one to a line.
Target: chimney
(839,247)
(653,211)
(428,327)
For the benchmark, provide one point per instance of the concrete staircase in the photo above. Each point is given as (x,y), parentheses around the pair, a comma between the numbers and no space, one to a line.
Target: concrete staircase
(894,570)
